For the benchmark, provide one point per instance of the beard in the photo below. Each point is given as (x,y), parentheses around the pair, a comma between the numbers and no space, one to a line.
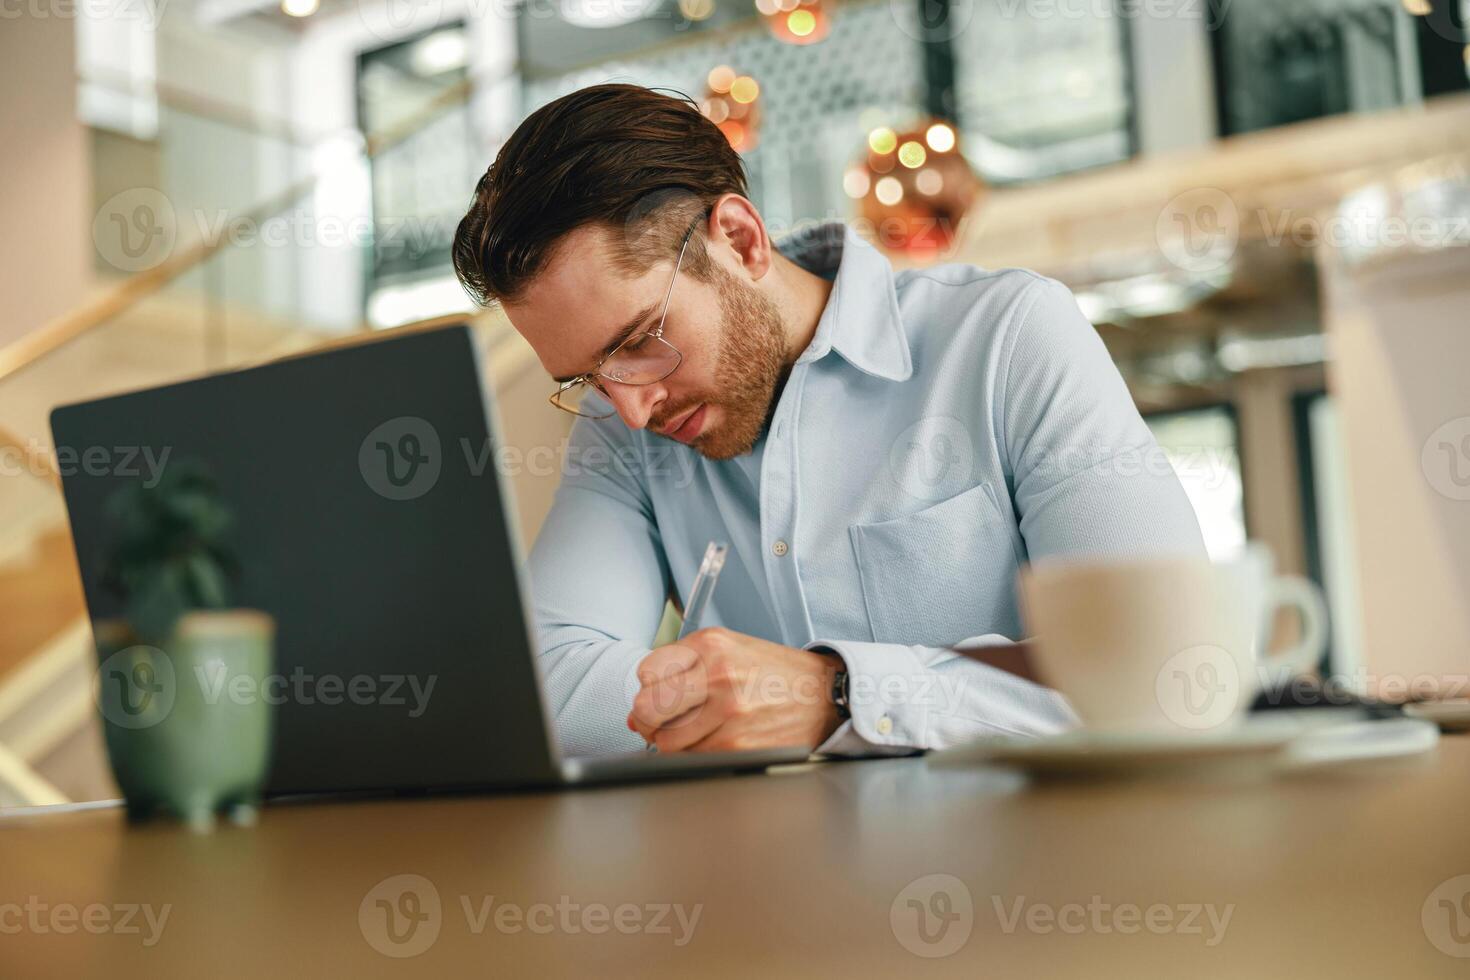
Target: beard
(752,366)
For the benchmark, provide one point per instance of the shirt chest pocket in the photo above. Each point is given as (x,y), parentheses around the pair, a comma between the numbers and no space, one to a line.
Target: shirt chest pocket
(941,575)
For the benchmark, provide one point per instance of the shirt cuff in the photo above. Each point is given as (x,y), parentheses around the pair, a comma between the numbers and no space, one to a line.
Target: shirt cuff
(887,719)
(914,697)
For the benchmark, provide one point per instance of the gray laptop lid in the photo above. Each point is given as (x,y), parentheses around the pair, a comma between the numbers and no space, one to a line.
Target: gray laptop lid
(370,522)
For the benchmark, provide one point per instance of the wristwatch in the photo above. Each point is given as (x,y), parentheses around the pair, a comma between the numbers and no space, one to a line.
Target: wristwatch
(842,695)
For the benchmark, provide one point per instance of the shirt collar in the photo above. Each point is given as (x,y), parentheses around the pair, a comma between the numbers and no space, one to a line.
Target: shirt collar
(861,320)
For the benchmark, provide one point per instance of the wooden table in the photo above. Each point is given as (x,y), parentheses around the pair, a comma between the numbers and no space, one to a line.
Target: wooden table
(822,871)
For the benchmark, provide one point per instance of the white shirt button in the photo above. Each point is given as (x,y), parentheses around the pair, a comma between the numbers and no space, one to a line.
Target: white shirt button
(885,725)
(780,548)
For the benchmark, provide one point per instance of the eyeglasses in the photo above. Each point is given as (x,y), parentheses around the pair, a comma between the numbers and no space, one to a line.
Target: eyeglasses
(643,359)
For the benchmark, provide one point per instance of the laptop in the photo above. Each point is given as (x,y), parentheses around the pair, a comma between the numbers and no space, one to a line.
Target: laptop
(364,526)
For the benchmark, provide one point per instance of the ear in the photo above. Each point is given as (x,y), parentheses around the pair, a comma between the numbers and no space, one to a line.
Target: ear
(737,233)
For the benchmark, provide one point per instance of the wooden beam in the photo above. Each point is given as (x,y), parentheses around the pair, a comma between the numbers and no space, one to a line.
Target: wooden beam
(20,785)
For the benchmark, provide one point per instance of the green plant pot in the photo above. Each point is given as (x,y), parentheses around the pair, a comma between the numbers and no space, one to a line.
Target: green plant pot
(188,724)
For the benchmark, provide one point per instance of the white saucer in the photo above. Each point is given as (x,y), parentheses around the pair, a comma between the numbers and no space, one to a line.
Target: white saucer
(1451,716)
(1356,741)
(1090,753)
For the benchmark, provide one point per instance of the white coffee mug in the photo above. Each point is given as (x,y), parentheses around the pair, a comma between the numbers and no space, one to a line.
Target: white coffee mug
(1166,644)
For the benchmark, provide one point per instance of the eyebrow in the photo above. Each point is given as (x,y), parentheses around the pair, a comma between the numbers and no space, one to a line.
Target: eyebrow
(624,332)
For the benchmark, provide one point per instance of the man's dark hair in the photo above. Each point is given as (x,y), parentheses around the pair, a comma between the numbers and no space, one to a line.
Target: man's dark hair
(640,162)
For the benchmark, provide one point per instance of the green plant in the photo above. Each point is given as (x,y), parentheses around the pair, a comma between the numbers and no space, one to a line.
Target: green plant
(167,553)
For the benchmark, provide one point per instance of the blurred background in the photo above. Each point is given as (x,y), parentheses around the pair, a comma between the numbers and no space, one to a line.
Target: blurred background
(1262,206)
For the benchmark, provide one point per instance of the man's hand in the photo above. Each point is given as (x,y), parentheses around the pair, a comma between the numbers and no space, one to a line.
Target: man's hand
(721,691)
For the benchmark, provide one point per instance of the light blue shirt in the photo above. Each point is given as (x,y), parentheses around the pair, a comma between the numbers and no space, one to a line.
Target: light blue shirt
(943,427)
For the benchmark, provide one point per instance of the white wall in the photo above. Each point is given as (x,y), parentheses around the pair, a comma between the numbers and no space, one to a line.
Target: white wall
(45,244)
(1400,347)
(213,169)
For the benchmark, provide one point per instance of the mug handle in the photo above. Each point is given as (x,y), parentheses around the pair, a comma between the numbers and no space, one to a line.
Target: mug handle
(1311,608)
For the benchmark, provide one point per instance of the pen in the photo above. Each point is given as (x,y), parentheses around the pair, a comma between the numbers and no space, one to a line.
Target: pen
(704,586)
(699,593)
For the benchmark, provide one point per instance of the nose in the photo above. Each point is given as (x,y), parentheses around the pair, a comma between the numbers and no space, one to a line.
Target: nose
(635,403)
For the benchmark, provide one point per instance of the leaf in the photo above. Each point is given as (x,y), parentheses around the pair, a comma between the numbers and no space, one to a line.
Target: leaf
(210,590)
(168,551)
(156,602)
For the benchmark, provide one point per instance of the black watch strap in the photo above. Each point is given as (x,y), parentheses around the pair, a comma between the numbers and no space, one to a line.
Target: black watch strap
(842,695)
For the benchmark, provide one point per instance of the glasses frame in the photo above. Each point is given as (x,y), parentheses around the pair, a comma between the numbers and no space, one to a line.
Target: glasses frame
(656,334)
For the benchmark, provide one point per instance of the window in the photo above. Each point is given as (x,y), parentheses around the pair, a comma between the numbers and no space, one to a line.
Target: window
(1203,446)
(1040,95)
(420,178)
(1328,527)
(1279,63)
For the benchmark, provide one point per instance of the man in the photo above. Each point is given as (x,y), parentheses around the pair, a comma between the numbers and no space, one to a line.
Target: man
(881,451)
